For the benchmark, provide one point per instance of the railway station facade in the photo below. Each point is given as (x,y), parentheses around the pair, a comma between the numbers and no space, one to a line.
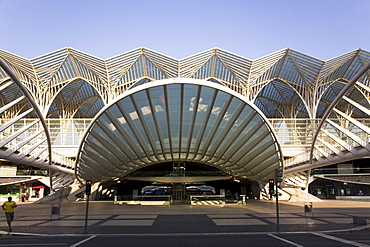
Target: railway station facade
(212,119)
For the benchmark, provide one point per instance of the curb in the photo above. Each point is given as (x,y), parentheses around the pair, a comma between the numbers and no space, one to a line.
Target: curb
(359,228)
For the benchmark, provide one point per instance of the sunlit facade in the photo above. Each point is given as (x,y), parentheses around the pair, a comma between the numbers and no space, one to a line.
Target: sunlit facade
(107,118)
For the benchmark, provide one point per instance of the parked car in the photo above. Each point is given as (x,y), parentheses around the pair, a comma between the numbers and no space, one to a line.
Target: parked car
(156,190)
(167,190)
(200,189)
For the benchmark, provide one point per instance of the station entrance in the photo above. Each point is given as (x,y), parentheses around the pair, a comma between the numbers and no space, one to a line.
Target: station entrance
(183,183)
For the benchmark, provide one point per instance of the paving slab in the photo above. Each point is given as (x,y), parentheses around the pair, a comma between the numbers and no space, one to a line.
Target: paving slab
(256,216)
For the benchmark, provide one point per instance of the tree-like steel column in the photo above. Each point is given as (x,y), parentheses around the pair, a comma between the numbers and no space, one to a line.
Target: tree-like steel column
(26,93)
(333,104)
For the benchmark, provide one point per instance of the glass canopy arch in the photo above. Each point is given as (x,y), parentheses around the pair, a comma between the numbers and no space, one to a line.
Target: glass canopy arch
(179,120)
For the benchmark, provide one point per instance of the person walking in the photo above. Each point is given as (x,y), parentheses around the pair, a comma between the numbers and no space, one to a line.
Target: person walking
(27,196)
(8,207)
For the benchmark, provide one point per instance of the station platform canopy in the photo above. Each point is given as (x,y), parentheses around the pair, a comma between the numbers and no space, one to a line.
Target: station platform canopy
(179,119)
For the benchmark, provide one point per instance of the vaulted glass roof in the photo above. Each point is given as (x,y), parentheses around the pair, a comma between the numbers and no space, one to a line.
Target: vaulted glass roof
(179,120)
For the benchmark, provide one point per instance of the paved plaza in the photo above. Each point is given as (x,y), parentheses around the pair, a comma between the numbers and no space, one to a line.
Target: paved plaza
(254,217)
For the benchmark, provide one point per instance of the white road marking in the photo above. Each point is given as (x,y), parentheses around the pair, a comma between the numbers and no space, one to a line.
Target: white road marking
(83,241)
(340,239)
(285,240)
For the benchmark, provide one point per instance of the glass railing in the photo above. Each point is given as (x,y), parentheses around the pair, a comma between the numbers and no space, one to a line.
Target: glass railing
(340,171)
(33,173)
(63,132)
(290,131)
(174,174)
(300,131)
(294,131)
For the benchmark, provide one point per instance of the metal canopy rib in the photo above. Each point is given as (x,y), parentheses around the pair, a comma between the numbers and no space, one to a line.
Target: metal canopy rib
(224,117)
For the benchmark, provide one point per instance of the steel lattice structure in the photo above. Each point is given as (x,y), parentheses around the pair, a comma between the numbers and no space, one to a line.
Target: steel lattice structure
(287,84)
(283,84)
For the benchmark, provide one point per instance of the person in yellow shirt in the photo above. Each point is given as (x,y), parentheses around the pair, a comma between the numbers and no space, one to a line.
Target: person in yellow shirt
(8,207)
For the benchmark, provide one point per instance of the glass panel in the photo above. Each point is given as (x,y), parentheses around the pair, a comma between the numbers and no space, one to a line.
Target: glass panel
(158,99)
(203,103)
(174,98)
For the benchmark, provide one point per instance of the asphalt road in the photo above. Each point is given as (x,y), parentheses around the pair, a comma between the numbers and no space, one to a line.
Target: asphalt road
(194,240)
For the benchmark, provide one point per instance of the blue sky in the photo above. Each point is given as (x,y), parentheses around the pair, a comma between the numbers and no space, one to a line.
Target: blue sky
(179,28)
